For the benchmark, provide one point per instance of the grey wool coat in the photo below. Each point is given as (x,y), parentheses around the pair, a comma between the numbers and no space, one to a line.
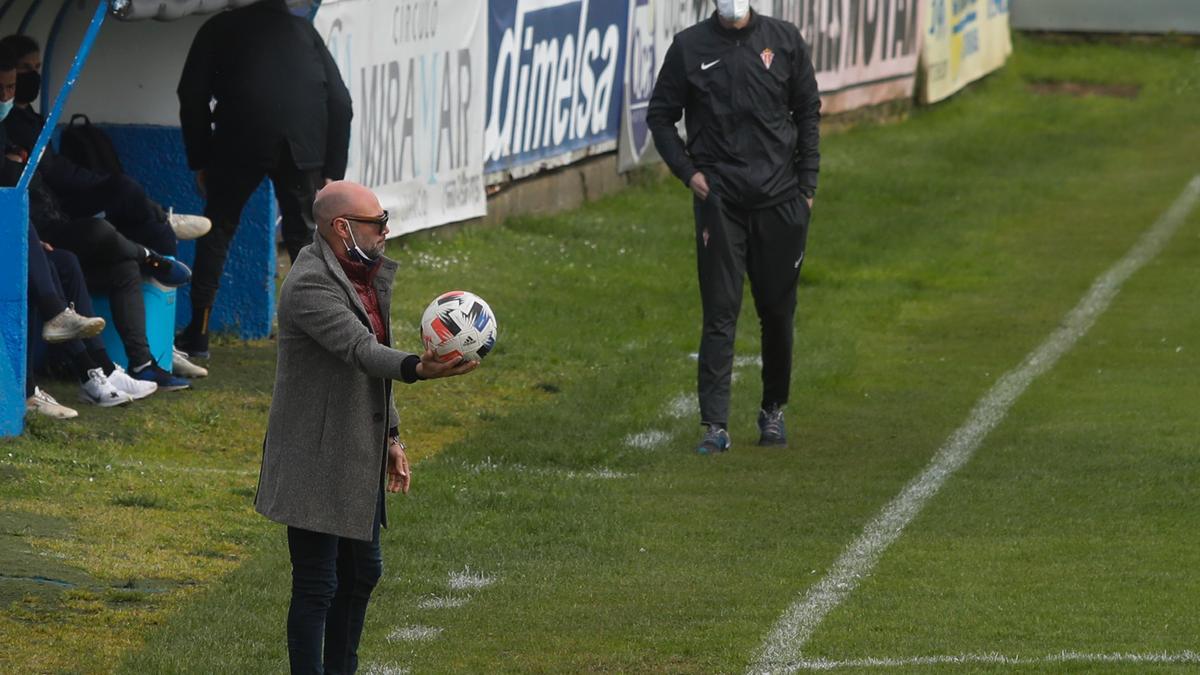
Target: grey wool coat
(325,452)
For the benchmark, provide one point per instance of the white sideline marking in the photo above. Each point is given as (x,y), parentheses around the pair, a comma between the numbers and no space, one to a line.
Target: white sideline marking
(781,649)
(178,468)
(738,361)
(647,440)
(381,669)
(142,466)
(598,473)
(999,659)
(414,633)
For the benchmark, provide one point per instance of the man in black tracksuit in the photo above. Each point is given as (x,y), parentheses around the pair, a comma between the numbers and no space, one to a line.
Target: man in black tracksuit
(749,90)
(282,111)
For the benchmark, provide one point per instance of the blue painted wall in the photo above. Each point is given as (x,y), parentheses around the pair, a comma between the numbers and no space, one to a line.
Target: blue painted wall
(154,156)
(14,280)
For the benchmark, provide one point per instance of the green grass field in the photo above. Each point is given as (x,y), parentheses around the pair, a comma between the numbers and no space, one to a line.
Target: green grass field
(559,521)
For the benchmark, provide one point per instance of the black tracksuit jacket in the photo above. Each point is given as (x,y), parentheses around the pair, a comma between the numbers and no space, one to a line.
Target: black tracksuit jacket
(752,130)
(274,82)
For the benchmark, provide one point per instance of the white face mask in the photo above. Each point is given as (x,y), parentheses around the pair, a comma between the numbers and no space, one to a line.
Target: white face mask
(733,10)
(357,254)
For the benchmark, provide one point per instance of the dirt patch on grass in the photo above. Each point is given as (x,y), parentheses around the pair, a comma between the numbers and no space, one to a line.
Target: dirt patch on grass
(1079,89)
(23,571)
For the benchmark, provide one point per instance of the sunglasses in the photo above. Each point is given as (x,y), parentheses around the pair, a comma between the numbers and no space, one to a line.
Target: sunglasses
(379,221)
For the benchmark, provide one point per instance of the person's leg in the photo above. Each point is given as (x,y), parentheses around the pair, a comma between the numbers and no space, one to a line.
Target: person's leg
(314,582)
(720,262)
(68,282)
(776,252)
(96,242)
(295,190)
(42,293)
(75,289)
(87,358)
(123,283)
(228,187)
(128,208)
(359,567)
(124,202)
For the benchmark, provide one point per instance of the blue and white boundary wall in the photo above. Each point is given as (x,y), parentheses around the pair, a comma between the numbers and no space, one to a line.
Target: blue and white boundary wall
(555,83)
(417,73)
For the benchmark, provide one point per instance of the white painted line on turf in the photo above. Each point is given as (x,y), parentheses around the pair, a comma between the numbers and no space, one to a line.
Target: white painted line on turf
(647,440)
(781,650)
(381,669)
(142,466)
(443,602)
(490,465)
(176,468)
(1000,659)
(738,361)
(469,580)
(414,634)
(683,405)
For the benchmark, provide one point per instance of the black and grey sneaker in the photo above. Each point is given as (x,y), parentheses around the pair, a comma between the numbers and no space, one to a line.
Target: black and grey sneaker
(771,428)
(715,440)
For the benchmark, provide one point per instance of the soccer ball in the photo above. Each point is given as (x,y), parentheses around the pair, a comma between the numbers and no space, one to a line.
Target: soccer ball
(458,325)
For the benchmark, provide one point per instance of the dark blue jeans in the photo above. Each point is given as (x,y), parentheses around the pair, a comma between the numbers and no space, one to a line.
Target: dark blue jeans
(332,580)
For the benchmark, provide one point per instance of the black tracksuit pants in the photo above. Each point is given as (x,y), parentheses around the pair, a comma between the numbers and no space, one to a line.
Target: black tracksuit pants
(229,186)
(768,245)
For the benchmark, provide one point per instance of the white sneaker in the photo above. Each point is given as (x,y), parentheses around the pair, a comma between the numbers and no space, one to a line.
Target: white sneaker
(68,325)
(44,404)
(99,391)
(181,366)
(134,388)
(188,226)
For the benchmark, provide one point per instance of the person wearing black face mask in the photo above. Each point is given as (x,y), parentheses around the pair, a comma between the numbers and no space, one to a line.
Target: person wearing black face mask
(29,86)
(332,449)
(23,124)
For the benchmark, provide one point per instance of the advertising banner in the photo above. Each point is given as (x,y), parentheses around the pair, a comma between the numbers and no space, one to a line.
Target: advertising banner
(416,72)
(964,40)
(652,26)
(865,51)
(555,81)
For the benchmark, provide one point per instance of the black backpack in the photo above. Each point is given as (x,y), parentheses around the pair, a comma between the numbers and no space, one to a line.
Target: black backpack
(89,147)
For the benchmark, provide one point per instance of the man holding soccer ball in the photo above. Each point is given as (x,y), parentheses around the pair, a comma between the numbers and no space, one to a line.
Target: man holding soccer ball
(332,446)
(749,90)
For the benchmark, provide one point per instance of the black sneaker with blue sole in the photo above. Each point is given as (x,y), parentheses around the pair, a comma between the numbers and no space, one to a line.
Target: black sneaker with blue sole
(165,381)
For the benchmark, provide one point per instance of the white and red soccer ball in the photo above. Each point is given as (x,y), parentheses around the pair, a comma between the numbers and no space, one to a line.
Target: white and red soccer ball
(458,325)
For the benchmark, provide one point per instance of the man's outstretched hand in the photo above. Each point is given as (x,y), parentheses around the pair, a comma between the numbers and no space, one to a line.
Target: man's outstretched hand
(430,368)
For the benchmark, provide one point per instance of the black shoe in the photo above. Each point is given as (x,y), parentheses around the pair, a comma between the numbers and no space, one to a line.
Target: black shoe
(167,270)
(195,345)
(164,380)
(771,428)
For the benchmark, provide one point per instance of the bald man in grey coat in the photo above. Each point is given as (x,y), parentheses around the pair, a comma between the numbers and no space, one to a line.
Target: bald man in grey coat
(332,447)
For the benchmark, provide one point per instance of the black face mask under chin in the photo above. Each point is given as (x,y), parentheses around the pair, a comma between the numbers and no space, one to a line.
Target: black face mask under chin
(29,85)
